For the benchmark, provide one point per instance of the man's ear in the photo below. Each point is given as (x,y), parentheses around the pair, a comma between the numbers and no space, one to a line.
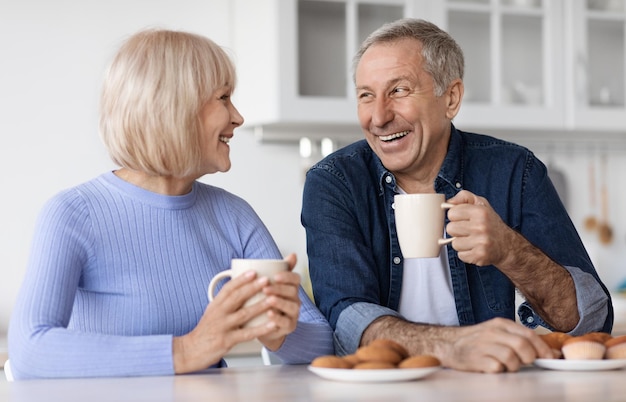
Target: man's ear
(454,95)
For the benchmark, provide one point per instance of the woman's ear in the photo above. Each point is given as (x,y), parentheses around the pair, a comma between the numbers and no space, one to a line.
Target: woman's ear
(454,95)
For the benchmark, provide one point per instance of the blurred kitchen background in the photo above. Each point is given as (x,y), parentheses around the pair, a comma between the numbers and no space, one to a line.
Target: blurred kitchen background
(548,74)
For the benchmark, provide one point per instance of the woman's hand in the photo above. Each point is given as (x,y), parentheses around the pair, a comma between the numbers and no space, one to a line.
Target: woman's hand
(284,303)
(222,325)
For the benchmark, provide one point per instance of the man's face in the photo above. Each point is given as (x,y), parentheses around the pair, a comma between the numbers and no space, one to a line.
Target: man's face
(405,124)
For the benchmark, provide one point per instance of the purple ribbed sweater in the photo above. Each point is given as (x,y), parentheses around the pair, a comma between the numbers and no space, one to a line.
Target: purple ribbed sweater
(116,271)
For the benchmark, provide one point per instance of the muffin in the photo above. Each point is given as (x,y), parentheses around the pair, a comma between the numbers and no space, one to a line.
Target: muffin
(555,341)
(616,348)
(601,337)
(583,348)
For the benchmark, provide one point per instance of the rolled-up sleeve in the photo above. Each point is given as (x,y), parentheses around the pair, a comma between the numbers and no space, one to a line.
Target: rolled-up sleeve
(353,321)
(593,305)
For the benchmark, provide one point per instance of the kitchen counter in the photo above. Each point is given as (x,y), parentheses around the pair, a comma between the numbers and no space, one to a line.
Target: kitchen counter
(296,383)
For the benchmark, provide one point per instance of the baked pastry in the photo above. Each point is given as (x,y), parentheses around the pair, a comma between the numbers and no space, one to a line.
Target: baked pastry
(601,337)
(331,361)
(555,341)
(616,348)
(373,353)
(352,360)
(380,354)
(388,343)
(583,347)
(374,365)
(419,361)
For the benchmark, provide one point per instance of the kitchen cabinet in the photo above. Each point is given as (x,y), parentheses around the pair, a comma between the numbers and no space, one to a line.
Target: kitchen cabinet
(513,61)
(294,66)
(532,66)
(596,46)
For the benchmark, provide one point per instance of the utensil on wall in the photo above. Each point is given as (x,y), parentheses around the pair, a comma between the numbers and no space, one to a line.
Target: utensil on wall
(605,231)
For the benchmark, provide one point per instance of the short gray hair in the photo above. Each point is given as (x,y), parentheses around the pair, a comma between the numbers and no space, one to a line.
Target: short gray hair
(443,57)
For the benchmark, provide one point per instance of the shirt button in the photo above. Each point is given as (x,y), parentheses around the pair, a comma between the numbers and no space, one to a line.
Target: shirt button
(396,260)
(530,320)
(388,179)
(458,185)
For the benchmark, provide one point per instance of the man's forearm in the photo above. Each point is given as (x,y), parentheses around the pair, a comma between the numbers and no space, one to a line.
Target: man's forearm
(547,286)
(416,338)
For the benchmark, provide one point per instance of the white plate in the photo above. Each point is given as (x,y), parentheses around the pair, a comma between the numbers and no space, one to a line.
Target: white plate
(581,365)
(387,375)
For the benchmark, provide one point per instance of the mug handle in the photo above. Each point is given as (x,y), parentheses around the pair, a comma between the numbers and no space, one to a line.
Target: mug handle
(447,240)
(224,274)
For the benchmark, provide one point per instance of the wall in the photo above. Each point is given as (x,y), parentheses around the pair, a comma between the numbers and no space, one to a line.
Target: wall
(53,54)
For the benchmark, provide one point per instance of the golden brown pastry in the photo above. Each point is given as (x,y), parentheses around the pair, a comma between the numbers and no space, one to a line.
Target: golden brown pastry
(419,361)
(616,348)
(374,365)
(601,337)
(388,343)
(555,341)
(372,353)
(352,359)
(331,361)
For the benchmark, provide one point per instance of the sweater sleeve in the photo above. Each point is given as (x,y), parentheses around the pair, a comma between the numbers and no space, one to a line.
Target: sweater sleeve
(313,335)
(40,343)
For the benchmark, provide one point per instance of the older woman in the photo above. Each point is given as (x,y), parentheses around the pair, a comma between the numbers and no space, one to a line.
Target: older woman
(117,280)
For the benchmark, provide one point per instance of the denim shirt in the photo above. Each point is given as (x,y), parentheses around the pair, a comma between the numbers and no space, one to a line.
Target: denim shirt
(355,261)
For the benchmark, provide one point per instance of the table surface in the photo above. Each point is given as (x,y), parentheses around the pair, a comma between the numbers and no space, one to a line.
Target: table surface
(296,383)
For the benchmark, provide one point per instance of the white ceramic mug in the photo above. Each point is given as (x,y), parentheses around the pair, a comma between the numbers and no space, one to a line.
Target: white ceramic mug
(238,266)
(419,224)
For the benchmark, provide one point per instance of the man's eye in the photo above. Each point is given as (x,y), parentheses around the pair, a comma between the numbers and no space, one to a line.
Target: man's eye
(400,91)
(364,96)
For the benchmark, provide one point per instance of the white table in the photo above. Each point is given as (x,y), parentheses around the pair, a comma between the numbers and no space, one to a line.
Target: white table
(296,383)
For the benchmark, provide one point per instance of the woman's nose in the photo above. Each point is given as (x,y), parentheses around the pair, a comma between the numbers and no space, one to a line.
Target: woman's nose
(237,118)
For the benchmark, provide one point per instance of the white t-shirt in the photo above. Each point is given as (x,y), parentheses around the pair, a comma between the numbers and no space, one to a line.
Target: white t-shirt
(426,295)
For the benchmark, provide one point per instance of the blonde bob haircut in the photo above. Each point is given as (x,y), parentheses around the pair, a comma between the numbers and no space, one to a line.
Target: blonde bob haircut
(152,96)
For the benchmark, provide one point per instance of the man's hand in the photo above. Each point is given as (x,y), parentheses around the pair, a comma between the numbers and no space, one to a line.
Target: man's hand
(497,345)
(482,238)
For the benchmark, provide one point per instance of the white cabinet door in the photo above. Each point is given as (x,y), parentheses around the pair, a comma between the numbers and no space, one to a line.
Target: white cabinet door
(596,51)
(514,62)
(294,60)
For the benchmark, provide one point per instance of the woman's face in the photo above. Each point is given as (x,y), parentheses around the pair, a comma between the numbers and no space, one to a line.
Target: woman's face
(218,117)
